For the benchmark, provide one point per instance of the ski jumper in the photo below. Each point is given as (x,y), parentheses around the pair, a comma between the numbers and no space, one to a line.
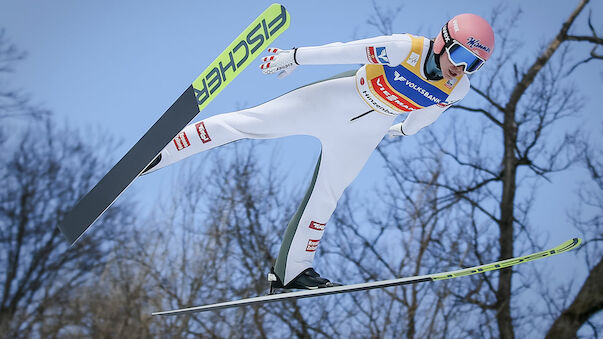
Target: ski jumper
(349,114)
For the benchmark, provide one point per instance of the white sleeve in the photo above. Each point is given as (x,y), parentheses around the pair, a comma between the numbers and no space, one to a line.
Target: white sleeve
(424,117)
(418,119)
(393,50)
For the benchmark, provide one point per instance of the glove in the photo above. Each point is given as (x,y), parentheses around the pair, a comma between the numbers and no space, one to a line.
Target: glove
(282,61)
(396,131)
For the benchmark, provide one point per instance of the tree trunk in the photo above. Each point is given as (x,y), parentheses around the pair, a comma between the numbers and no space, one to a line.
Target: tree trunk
(503,292)
(588,302)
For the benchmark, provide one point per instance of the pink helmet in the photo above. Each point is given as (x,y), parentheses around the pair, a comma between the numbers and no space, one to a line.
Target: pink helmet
(470,30)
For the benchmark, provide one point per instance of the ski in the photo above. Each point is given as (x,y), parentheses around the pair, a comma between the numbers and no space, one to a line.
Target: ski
(236,57)
(564,247)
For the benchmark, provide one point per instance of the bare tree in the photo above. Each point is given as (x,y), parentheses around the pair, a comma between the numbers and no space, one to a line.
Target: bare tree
(42,177)
(589,220)
(523,113)
(490,170)
(43,170)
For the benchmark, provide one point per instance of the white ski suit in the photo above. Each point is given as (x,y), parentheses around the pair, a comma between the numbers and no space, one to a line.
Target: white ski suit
(348,114)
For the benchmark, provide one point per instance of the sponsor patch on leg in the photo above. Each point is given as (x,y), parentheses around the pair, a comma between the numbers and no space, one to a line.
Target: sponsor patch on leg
(181,141)
(317,226)
(312,245)
(202,131)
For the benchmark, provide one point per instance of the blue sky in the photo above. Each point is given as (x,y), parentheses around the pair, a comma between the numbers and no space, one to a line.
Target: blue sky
(116,66)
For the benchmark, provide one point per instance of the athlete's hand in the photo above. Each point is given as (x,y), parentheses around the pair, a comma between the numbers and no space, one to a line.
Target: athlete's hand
(282,61)
(396,131)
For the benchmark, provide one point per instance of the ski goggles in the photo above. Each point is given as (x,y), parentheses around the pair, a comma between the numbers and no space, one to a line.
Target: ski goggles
(461,55)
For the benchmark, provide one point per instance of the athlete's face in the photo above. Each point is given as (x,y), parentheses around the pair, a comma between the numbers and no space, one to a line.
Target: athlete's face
(450,71)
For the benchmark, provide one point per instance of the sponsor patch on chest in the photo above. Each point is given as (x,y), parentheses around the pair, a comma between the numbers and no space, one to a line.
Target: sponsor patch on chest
(413,59)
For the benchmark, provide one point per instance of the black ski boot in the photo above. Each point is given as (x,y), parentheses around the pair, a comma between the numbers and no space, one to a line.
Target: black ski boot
(306,280)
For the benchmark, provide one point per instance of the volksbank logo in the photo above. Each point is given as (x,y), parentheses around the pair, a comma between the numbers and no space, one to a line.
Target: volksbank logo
(425,93)
(238,55)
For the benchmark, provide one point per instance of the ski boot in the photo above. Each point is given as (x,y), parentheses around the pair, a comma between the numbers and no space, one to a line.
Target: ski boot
(306,280)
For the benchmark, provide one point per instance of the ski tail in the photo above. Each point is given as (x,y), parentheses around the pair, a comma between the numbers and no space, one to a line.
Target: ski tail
(564,247)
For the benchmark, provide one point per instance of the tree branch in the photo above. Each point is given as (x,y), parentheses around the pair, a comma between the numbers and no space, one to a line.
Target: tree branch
(530,75)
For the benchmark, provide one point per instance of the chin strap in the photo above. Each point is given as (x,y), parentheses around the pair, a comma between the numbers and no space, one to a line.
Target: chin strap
(435,72)
(436,58)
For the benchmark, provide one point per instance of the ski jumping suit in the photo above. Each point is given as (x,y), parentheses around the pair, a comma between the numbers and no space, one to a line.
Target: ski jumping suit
(348,114)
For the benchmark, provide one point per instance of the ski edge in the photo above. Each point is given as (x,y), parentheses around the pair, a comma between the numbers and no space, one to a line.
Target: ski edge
(564,247)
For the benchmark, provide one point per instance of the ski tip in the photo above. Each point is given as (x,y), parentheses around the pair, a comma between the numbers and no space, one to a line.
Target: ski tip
(276,7)
(276,4)
(570,244)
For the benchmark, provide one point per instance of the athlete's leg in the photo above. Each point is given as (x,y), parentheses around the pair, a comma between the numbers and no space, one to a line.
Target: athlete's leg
(285,115)
(346,146)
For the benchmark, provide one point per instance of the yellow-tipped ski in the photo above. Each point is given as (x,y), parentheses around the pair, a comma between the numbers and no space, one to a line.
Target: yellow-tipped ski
(566,246)
(239,54)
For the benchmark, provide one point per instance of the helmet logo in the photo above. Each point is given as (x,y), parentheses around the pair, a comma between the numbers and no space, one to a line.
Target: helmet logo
(445,33)
(455,25)
(474,43)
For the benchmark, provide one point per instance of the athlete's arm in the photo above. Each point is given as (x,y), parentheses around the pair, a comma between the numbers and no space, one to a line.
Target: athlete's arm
(417,120)
(386,50)
(392,51)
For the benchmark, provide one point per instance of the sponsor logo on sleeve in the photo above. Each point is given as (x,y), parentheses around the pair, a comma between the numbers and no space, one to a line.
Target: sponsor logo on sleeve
(181,141)
(202,131)
(312,245)
(381,53)
(371,56)
(317,226)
